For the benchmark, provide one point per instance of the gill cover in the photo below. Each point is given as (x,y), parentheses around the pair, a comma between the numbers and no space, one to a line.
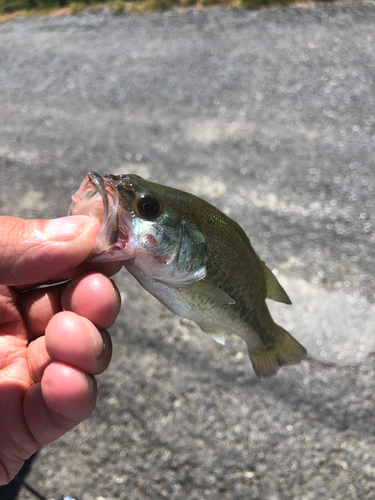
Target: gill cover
(183,264)
(165,246)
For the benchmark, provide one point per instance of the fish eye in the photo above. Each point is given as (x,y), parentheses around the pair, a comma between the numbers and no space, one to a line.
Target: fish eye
(148,207)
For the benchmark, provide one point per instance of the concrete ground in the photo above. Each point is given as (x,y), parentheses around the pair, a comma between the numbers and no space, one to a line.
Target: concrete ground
(270,116)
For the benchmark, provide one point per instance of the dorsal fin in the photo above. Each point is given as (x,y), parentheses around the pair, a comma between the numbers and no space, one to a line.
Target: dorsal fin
(274,290)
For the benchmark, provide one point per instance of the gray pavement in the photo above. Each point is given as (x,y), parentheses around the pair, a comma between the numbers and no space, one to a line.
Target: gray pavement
(270,116)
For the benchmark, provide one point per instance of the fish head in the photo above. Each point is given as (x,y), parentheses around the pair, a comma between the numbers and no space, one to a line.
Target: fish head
(143,221)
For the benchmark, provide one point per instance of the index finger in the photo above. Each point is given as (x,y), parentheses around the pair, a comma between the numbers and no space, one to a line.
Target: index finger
(92,295)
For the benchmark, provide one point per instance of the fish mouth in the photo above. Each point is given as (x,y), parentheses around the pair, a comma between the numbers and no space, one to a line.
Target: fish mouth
(98,197)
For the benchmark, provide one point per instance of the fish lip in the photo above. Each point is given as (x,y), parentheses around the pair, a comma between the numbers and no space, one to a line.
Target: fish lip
(97,183)
(113,235)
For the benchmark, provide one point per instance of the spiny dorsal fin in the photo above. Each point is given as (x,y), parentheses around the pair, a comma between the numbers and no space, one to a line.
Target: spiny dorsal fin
(274,290)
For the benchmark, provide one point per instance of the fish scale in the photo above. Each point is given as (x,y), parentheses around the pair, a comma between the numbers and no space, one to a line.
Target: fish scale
(193,258)
(228,268)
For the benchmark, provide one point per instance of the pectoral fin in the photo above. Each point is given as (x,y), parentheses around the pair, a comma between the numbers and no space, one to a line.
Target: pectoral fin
(215,333)
(274,290)
(204,288)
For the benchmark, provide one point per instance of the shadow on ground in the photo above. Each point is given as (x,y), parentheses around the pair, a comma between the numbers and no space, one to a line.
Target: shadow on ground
(11,490)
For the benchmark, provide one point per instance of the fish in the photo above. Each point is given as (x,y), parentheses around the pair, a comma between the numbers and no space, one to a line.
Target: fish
(193,258)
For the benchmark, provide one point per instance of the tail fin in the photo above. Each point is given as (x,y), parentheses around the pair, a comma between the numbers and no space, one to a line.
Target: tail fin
(285,351)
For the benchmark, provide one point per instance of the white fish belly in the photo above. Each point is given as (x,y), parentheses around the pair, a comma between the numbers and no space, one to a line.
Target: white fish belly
(204,311)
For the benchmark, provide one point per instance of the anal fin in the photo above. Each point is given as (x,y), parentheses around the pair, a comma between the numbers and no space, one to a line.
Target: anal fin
(215,333)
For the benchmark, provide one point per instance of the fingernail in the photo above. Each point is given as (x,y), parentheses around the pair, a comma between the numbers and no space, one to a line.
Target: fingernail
(107,344)
(91,382)
(66,228)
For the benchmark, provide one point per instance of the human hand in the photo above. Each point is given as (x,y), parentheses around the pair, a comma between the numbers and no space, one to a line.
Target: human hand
(52,340)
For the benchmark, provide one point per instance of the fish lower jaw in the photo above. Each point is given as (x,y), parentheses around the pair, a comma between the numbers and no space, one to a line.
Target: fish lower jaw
(120,250)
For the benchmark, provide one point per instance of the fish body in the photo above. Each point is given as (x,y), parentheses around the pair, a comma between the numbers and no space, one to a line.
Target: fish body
(193,258)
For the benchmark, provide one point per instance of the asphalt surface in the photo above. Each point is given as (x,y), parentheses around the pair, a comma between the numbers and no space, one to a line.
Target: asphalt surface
(270,116)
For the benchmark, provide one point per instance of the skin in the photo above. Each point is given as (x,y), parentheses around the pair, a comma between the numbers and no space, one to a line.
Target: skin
(52,340)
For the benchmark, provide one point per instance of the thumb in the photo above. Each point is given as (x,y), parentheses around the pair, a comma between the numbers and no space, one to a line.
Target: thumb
(37,250)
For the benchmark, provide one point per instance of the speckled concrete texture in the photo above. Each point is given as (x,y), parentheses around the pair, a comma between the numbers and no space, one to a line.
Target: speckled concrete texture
(270,116)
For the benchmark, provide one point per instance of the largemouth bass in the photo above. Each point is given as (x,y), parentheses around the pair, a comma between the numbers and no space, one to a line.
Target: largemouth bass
(197,261)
